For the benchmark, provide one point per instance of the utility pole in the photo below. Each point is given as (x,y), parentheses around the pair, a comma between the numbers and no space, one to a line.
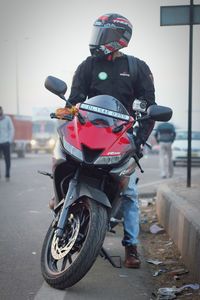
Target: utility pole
(17,77)
(184,15)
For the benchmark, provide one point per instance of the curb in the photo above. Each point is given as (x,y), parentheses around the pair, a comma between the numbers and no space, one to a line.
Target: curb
(147,195)
(182,222)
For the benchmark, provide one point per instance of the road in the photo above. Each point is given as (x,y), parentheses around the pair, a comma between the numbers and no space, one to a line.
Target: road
(24,219)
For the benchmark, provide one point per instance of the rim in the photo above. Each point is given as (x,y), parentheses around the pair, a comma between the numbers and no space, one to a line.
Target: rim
(61,253)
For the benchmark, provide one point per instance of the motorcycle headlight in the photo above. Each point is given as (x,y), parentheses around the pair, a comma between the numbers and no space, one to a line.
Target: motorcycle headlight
(52,142)
(76,153)
(33,142)
(108,160)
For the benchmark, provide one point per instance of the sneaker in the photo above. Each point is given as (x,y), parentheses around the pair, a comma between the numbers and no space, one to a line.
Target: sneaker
(131,257)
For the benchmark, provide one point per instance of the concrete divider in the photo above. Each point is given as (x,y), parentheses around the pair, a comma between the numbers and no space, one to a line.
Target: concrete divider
(181,220)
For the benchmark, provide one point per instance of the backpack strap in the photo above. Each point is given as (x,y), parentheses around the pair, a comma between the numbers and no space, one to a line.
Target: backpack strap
(88,71)
(133,67)
(132,64)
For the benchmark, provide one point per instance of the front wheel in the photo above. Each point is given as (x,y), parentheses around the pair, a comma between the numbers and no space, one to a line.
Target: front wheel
(65,261)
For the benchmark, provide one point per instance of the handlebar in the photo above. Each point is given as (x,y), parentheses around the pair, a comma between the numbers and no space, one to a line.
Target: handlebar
(65,117)
(68,117)
(53,116)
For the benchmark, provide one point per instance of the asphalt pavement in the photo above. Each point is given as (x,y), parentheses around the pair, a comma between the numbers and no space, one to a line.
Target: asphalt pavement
(24,219)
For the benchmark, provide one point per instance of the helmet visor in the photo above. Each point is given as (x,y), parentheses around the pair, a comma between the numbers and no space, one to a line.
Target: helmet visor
(102,36)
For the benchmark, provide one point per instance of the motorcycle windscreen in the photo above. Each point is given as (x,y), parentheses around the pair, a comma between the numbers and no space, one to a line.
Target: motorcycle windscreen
(107,102)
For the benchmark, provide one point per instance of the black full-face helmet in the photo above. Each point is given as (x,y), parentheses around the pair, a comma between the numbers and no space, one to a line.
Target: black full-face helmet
(111,32)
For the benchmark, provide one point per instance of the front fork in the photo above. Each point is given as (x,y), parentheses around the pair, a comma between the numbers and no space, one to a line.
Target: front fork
(69,199)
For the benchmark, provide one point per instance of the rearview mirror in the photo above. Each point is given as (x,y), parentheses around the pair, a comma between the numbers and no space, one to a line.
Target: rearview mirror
(159,113)
(56,86)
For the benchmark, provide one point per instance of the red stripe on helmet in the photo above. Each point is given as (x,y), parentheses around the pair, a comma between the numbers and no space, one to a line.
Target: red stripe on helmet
(125,21)
(103,18)
(123,43)
(109,47)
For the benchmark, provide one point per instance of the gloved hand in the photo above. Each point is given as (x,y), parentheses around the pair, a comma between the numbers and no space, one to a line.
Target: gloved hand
(61,112)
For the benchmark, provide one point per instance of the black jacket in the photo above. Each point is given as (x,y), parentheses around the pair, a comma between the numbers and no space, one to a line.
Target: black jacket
(97,76)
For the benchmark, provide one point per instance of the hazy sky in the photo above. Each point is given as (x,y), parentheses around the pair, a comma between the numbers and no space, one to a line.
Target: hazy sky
(40,38)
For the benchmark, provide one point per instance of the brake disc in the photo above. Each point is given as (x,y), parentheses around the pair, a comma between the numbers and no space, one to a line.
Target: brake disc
(60,251)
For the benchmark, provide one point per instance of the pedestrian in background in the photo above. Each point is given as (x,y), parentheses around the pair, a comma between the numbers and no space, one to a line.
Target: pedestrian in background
(6,138)
(165,135)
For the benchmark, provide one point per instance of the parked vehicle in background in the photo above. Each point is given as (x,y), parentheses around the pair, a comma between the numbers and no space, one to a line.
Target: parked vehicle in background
(23,134)
(180,147)
(44,131)
(44,135)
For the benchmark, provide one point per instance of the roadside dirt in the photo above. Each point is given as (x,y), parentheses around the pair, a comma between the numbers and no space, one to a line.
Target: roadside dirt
(165,262)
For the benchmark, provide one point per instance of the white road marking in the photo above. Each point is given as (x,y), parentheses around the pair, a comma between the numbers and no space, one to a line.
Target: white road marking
(46,292)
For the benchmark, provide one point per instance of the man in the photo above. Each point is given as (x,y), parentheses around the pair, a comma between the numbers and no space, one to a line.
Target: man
(165,135)
(106,71)
(6,138)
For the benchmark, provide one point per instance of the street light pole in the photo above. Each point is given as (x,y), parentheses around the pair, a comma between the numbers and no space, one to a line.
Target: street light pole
(190,95)
(17,77)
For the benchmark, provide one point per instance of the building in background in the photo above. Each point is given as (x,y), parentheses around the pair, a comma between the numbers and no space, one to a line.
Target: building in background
(23,134)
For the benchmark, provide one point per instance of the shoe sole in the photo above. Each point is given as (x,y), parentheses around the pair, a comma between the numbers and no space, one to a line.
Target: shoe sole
(129,266)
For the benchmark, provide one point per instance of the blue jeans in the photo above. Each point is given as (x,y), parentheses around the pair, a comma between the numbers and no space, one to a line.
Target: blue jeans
(5,148)
(131,213)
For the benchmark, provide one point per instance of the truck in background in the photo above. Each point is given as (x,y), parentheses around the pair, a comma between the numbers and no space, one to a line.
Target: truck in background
(44,130)
(23,134)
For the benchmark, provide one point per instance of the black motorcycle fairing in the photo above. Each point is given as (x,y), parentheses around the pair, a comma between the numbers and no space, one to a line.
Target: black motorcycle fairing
(77,190)
(126,169)
(85,190)
(90,183)
(63,172)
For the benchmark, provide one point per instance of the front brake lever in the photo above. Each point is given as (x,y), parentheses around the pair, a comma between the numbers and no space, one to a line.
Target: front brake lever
(45,173)
(137,162)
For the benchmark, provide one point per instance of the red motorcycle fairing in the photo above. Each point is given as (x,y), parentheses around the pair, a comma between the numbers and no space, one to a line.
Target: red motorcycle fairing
(96,137)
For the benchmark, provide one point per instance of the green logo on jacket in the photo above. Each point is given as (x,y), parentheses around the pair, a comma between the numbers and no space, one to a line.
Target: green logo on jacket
(103,75)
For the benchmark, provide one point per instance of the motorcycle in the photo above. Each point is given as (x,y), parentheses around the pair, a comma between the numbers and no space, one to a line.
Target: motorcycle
(93,159)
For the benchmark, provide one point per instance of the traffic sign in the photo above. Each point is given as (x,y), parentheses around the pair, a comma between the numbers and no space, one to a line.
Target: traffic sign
(184,15)
(179,15)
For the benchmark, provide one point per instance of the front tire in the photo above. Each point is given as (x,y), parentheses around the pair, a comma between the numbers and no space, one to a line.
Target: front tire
(65,262)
